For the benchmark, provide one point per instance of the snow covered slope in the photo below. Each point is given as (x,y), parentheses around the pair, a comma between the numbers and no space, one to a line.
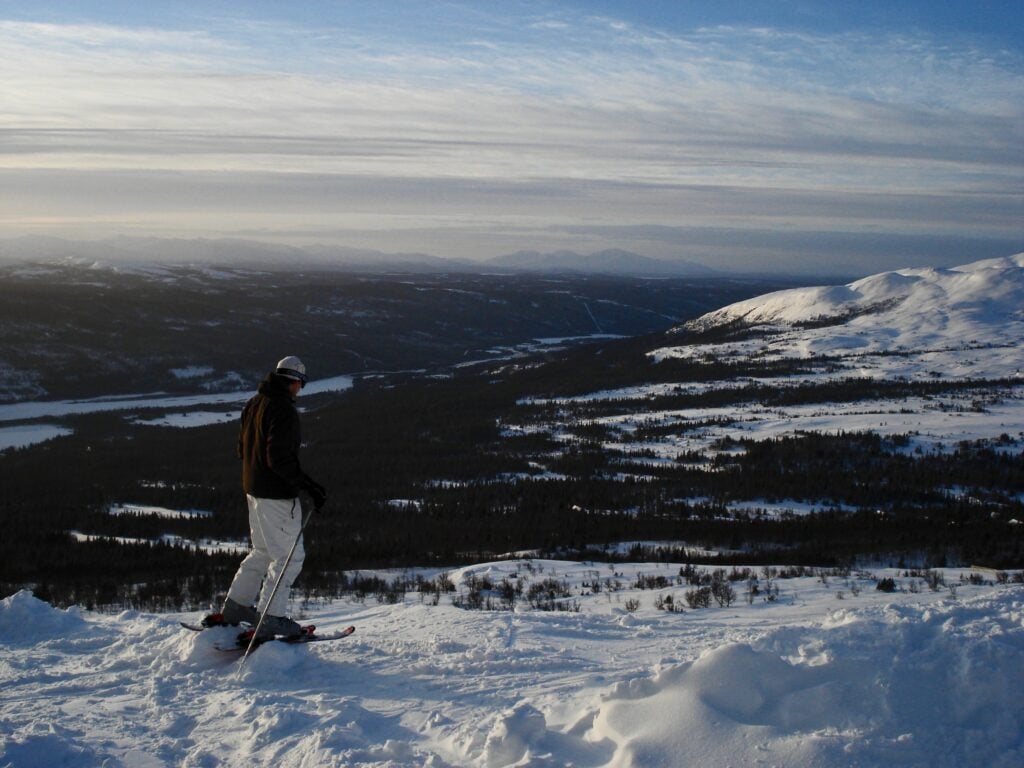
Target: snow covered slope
(966,321)
(982,292)
(912,678)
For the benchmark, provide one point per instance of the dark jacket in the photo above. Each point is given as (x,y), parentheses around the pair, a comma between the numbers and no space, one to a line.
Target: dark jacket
(269,440)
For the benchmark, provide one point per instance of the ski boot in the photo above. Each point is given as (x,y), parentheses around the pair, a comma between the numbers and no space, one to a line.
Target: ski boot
(232,614)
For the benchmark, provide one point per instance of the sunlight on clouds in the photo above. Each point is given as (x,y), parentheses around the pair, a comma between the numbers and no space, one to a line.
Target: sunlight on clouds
(723,93)
(572,119)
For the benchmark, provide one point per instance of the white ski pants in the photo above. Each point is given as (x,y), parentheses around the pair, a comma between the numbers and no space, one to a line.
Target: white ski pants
(274,525)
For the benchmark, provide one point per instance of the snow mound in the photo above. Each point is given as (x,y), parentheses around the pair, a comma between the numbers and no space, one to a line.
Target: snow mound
(912,686)
(728,700)
(184,652)
(276,663)
(513,734)
(45,744)
(26,619)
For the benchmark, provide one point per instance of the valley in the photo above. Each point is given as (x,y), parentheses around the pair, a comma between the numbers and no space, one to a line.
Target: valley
(739,444)
(82,330)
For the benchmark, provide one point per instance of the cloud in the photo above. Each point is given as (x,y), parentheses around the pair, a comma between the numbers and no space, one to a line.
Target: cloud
(552,125)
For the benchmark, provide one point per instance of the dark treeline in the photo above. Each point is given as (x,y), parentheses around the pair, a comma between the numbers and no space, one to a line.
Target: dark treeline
(420,472)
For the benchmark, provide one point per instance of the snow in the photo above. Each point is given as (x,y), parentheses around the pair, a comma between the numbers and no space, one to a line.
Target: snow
(934,424)
(154,511)
(904,679)
(58,408)
(23,619)
(189,419)
(192,372)
(784,507)
(984,291)
(533,346)
(405,503)
(561,340)
(964,322)
(30,434)
(206,545)
(321,386)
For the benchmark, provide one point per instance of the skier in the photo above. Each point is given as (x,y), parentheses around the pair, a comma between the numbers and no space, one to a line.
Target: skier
(268,445)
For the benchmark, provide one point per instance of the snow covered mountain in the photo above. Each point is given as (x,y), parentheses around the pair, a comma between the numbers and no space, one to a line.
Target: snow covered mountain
(966,321)
(984,292)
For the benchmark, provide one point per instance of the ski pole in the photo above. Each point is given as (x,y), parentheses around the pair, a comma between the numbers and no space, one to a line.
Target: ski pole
(277,585)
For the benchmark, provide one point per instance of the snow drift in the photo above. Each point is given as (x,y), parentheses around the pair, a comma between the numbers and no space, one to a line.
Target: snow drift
(906,687)
(910,679)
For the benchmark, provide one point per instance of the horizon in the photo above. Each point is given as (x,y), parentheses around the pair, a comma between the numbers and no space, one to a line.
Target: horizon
(798,138)
(341,257)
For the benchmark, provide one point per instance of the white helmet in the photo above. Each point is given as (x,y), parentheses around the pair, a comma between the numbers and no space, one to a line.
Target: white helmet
(292,368)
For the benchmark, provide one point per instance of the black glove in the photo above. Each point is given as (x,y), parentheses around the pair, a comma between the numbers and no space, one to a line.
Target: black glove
(316,491)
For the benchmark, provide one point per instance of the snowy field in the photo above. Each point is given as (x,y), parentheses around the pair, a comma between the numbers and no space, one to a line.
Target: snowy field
(933,424)
(154,511)
(207,545)
(181,411)
(29,434)
(830,673)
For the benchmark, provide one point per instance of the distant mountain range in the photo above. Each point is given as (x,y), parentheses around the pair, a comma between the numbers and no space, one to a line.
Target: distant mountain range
(611,261)
(274,256)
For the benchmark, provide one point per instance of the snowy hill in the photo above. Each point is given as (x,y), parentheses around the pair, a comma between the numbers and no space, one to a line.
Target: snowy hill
(829,673)
(985,291)
(933,315)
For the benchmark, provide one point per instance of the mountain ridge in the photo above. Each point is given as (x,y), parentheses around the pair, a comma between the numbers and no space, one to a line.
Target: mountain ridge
(130,250)
(965,321)
(609,260)
(926,288)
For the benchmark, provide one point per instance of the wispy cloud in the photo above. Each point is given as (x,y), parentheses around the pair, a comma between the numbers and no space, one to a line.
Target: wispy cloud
(563,121)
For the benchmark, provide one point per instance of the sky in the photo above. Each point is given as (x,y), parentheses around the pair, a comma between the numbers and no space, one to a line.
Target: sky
(786,136)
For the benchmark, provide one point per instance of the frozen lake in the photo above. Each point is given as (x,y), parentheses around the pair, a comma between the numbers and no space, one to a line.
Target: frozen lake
(175,407)
(48,409)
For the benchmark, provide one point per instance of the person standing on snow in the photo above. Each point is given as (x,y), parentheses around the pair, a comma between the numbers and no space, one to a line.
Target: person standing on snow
(268,445)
